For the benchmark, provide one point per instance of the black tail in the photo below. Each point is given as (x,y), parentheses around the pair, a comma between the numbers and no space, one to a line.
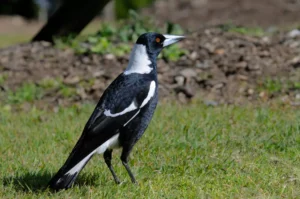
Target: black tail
(68,173)
(65,178)
(62,181)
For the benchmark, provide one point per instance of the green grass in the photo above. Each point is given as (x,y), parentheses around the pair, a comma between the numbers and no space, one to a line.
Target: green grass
(189,151)
(251,31)
(12,39)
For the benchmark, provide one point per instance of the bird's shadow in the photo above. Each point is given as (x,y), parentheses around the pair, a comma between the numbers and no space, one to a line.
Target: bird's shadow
(28,182)
(38,182)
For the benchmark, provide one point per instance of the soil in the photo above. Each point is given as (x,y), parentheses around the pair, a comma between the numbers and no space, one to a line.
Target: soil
(195,14)
(220,67)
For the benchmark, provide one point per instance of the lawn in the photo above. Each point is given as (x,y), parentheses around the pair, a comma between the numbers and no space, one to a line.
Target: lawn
(190,151)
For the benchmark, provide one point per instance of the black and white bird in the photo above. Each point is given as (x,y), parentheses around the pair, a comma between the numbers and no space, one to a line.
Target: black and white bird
(122,113)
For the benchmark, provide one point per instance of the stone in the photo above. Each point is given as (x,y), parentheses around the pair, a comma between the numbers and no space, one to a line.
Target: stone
(71,80)
(179,80)
(109,56)
(188,73)
(193,55)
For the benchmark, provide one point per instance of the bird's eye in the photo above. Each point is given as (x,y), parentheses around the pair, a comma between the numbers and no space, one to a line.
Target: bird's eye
(157,40)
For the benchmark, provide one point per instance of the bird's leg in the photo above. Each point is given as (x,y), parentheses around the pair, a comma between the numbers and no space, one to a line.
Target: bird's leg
(124,159)
(107,157)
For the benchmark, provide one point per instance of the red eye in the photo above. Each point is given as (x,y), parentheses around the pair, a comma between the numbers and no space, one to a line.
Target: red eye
(157,39)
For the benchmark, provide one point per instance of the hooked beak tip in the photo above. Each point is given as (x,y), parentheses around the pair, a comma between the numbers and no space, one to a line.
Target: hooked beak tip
(171,39)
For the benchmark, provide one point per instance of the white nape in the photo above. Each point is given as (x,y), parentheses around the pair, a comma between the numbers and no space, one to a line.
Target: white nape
(112,143)
(150,94)
(131,107)
(139,61)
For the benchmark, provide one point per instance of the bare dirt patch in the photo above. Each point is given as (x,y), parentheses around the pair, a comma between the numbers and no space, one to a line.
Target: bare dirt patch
(220,67)
(196,13)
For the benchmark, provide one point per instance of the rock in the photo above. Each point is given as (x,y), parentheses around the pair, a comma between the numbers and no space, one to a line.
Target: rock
(71,80)
(219,51)
(242,64)
(46,44)
(209,47)
(266,39)
(188,91)
(98,84)
(203,65)
(182,98)
(242,77)
(285,99)
(263,95)
(218,86)
(295,103)
(254,67)
(250,91)
(81,92)
(98,73)
(160,77)
(211,103)
(109,56)
(294,33)
(179,80)
(86,60)
(193,55)
(188,73)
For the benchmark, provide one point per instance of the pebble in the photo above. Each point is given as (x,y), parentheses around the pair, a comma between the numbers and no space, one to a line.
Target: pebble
(179,80)
(294,33)
(188,73)
(211,103)
(193,55)
(109,56)
(250,91)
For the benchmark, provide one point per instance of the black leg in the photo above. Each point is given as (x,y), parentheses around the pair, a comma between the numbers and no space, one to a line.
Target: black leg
(124,159)
(107,157)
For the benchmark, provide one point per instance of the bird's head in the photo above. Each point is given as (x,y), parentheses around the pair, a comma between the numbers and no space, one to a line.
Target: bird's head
(147,48)
(155,42)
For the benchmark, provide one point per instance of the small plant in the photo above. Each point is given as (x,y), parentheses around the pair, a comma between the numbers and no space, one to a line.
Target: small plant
(3,78)
(116,39)
(252,31)
(173,53)
(50,83)
(26,93)
(272,85)
(296,85)
(67,92)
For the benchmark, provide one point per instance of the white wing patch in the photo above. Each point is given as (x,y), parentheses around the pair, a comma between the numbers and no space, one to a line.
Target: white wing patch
(139,61)
(146,100)
(150,94)
(79,166)
(131,107)
(109,144)
(112,143)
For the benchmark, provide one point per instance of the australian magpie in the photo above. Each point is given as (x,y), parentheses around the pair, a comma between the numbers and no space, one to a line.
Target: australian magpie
(122,113)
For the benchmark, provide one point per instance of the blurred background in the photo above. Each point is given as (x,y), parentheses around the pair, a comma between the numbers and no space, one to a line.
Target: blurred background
(228,120)
(238,51)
